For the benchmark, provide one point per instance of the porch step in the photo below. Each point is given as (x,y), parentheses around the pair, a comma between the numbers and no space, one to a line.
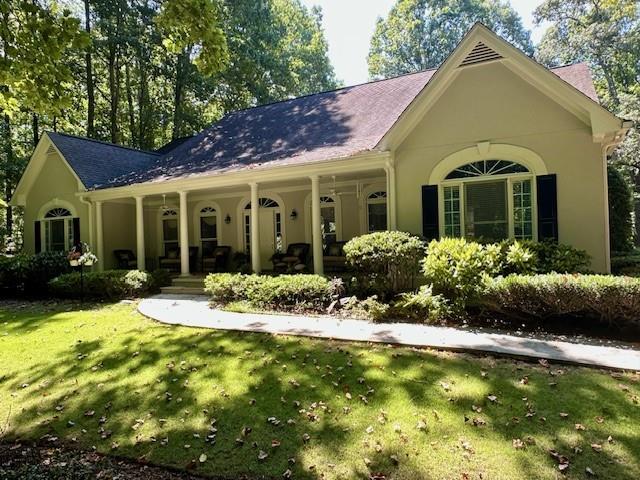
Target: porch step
(177,290)
(186,286)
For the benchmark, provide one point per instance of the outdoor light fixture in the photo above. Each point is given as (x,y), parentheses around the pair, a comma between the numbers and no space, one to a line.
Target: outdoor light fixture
(227,219)
(293,215)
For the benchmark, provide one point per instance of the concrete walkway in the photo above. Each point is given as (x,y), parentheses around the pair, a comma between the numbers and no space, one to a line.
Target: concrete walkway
(194,311)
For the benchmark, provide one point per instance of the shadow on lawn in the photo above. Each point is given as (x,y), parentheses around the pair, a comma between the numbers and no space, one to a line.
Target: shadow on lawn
(154,397)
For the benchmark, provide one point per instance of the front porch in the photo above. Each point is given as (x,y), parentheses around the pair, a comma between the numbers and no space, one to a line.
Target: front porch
(240,227)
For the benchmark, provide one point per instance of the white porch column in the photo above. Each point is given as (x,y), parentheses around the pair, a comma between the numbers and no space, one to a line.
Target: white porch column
(140,233)
(391,197)
(100,235)
(316,228)
(255,229)
(184,235)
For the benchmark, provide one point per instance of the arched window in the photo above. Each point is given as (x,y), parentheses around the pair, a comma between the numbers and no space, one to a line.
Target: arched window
(58,230)
(488,200)
(170,231)
(377,211)
(208,230)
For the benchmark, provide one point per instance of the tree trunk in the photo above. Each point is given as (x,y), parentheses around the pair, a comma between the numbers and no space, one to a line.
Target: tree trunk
(611,84)
(636,209)
(132,118)
(36,129)
(91,101)
(114,91)
(181,67)
(144,134)
(8,188)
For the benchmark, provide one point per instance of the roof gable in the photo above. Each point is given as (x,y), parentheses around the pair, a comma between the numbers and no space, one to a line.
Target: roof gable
(570,86)
(96,163)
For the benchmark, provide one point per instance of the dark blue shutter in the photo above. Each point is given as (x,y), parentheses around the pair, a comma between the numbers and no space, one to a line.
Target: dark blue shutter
(76,231)
(38,236)
(430,225)
(547,193)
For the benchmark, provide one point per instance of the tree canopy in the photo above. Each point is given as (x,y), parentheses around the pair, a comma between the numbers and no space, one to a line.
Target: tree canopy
(141,72)
(420,34)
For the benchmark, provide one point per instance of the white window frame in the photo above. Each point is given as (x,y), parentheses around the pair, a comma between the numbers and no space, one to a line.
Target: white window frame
(169,214)
(375,201)
(197,214)
(245,225)
(46,229)
(337,210)
(510,179)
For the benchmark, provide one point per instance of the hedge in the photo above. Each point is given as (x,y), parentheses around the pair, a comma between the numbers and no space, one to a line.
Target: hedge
(615,300)
(287,292)
(107,285)
(31,273)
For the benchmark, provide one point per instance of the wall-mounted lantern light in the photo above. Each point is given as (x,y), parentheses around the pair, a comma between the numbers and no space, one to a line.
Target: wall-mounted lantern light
(293,215)
(227,219)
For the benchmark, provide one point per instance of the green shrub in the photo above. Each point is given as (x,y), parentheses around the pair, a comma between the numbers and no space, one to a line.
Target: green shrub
(227,287)
(557,257)
(626,264)
(287,292)
(515,257)
(424,306)
(385,263)
(31,273)
(459,269)
(292,292)
(160,278)
(107,285)
(368,309)
(601,297)
(620,210)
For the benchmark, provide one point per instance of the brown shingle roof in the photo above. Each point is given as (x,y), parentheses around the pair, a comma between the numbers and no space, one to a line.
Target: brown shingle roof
(313,128)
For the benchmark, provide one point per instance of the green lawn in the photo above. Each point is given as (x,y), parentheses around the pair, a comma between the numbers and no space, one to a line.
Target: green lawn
(109,378)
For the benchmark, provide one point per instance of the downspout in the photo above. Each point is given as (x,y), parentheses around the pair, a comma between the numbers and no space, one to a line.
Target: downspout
(90,211)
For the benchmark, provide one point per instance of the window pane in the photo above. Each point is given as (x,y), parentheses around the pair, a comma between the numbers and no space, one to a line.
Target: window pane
(56,235)
(486,211)
(208,227)
(170,230)
(522,210)
(452,211)
(377,216)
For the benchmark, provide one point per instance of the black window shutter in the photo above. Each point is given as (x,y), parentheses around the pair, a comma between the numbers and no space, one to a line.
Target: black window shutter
(38,236)
(76,231)
(430,225)
(547,193)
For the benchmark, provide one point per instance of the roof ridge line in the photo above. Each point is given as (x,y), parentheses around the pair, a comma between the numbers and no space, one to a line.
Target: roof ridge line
(330,91)
(102,142)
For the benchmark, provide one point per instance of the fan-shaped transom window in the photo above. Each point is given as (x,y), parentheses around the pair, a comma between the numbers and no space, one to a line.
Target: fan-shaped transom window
(377,195)
(57,213)
(169,213)
(325,199)
(264,202)
(485,168)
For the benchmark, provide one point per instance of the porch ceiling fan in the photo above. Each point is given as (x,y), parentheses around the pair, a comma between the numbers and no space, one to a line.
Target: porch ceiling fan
(164,206)
(334,192)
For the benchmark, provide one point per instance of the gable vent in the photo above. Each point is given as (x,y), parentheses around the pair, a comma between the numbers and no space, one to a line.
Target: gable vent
(51,150)
(480,53)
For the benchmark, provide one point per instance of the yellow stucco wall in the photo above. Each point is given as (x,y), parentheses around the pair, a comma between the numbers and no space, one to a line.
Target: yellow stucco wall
(119,227)
(55,181)
(490,103)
